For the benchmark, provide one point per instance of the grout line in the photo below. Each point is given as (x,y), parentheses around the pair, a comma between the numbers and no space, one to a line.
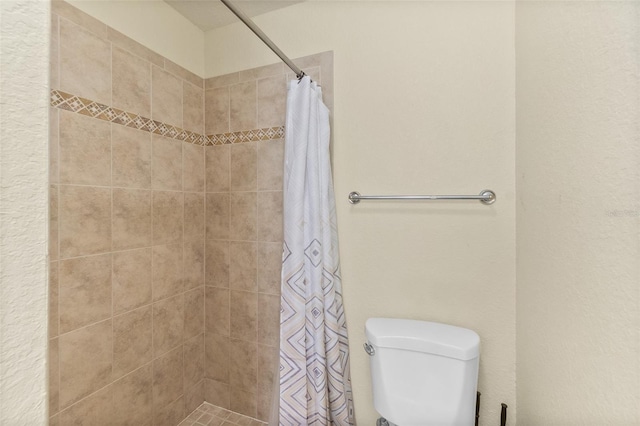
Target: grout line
(119,314)
(111,247)
(101,389)
(132,188)
(58,231)
(110,70)
(59,55)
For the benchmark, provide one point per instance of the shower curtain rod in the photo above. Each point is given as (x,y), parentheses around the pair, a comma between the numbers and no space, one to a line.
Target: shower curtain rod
(262,36)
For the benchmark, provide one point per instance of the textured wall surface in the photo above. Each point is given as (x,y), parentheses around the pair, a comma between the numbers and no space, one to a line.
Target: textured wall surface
(424,103)
(578,241)
(23,211)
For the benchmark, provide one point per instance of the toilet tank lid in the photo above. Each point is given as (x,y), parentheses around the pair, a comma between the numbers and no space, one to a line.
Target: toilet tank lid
(423,336)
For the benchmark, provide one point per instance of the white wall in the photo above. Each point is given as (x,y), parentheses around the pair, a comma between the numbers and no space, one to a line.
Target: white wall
(424,103)
(24,61)
(154,24)
(578,168)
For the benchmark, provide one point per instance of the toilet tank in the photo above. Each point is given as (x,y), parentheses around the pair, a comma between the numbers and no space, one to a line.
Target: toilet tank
(423,373)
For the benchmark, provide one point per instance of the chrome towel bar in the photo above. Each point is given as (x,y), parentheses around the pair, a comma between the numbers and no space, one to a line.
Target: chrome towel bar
(486,197)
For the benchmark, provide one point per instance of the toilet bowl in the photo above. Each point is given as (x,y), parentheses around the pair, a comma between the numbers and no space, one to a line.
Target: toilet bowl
(423,373)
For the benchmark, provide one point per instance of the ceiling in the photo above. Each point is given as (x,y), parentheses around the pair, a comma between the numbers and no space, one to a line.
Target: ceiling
(210,14)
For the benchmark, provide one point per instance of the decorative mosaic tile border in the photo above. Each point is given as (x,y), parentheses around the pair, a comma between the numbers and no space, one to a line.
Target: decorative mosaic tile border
(77,104)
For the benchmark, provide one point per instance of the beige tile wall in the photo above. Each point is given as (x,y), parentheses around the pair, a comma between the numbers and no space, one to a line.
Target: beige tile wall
(127,234)
(136,336)
(244,237)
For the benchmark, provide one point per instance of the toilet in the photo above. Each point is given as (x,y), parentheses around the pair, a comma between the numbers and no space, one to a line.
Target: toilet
(422,373)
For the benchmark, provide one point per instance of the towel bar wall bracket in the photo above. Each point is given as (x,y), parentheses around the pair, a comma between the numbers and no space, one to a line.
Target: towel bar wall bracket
(486,196)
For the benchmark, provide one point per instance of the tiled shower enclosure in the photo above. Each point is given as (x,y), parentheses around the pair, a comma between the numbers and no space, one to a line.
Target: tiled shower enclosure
(166,230)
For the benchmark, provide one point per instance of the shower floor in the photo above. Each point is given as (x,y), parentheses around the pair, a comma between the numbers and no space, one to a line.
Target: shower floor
(211,415)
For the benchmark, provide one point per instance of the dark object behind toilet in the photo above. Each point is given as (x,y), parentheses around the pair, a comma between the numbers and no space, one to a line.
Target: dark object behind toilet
(503,415)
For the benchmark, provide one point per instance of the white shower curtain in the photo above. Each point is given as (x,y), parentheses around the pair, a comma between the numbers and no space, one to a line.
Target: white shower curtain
(315,385)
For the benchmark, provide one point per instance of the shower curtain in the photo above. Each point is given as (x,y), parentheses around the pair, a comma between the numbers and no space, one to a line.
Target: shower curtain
(315,385)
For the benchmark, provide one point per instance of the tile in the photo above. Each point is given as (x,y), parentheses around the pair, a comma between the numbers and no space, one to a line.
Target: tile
(276,69)
(194,397)
(85,150)
(168,326)
(217,310)
(167,217)
(218,162)
(268,374)
(166,163)
(270,216)
(166,97)
(131,279)
(243,222)
(216,107)
(131,157)
(243,266)
(167,378)
(269,267)
(194,416)
(128,44)
(54,376)
(243,310)
(53,144)
(53,299)
(217,216)
(235,418)
(132,398)
(193,313)
(53,222)
(245,420)
(85,291)
(243,365)
(272,97)
(222,80)
(193,166)
(242,106)
(244,167)
(75,15)
(169,415)
(194,264)
(85,220)
(131,340)
(168,271)
(131,82)
(54,53)
(131,218)
(215,410)
(268,319)
(193,107)
(193,361)
(85,361)
(270,165)
(217,357)
(96,410)
(193,215)
(183,73)
(243,402)
(85,63)
(217,264)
